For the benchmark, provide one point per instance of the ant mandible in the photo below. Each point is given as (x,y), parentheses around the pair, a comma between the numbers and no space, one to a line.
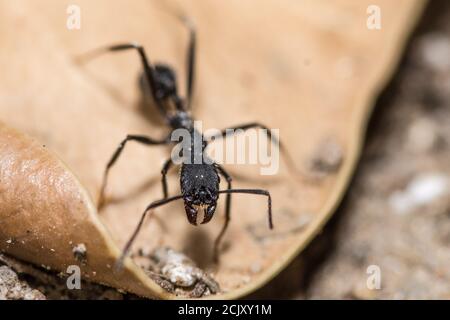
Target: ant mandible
(199,182)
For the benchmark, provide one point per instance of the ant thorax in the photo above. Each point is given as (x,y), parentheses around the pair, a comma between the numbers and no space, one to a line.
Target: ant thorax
(181,120)
(190,148)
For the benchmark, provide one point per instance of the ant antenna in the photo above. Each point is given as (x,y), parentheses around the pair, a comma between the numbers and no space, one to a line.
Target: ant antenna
(258,192)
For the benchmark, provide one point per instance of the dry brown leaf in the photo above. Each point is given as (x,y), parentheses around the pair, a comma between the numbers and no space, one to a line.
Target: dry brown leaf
(46,213)
(310,68)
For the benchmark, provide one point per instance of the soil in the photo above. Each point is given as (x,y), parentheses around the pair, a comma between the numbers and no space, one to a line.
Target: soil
(395,217)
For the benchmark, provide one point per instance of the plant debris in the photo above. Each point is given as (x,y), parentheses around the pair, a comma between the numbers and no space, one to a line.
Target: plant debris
(12,288)
(177,273)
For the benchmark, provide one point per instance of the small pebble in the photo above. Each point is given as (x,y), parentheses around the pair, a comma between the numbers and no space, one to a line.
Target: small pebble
(80,252)
(422,136)
(423,189)
(174,269)
(435,51)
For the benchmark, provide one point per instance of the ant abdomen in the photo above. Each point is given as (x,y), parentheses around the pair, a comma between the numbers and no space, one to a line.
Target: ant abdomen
(166,81)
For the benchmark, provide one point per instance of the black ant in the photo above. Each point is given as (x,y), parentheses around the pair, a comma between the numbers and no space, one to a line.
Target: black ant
(199,181)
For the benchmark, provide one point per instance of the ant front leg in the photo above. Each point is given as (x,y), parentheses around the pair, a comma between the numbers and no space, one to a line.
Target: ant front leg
(166,167)
(148,210)
(260,192)
(141,139)
(227,213)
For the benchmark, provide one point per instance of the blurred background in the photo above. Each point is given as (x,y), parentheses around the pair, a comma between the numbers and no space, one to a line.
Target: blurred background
(396,213)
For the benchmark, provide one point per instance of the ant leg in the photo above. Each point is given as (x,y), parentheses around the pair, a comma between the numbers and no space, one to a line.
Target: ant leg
(141,139)
(164,170)
(148,68)
(129,243)
(231,131)
(257,192)
(227,213)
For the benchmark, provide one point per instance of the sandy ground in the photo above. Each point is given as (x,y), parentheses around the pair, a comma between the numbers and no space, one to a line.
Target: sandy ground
(396,215)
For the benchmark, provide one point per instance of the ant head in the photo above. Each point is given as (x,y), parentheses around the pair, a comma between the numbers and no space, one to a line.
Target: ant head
(199,185)
(205,199)
(166,81)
